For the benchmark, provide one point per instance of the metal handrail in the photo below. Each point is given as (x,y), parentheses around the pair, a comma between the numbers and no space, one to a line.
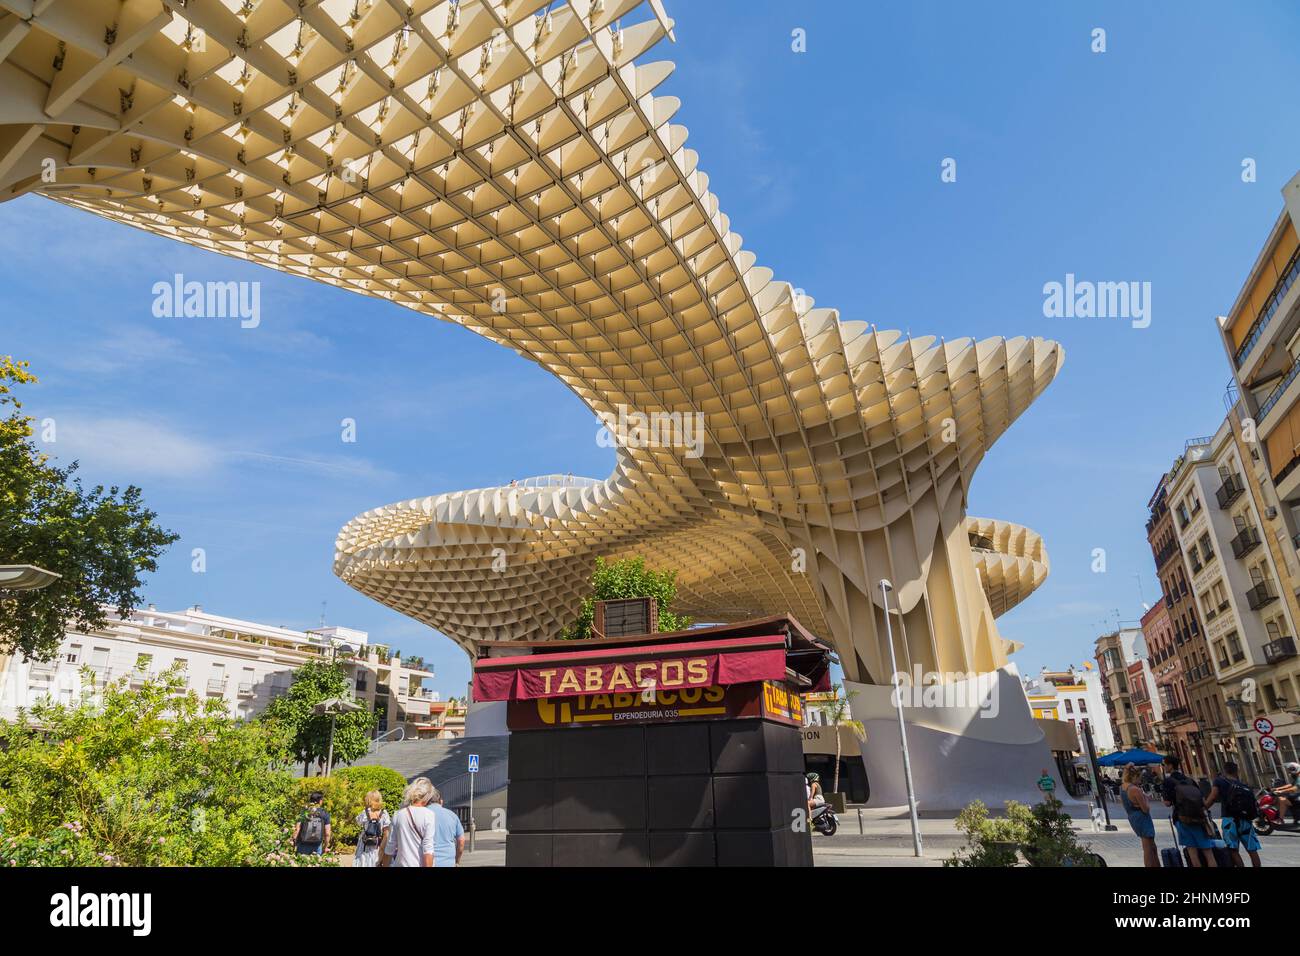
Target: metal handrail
(377,742)
(557,481)
(456,789)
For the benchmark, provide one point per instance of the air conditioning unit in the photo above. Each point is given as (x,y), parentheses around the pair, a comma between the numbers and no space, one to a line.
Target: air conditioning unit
(626,617)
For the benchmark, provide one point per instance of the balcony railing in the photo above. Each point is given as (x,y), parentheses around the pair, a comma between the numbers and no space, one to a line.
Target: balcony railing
(245,690)
(1246,541)
(1229,491)
(217,685)
(43,668)
(1279,650)
(1260,595)
(1266,314)
(1276,394)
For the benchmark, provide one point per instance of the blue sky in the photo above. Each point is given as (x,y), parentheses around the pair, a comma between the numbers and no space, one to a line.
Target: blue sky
(1115,166)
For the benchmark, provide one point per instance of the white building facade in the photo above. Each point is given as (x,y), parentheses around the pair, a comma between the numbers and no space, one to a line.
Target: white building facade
(1074,696)
(244,663)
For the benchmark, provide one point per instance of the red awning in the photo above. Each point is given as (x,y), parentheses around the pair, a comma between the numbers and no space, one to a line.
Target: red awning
(631,669)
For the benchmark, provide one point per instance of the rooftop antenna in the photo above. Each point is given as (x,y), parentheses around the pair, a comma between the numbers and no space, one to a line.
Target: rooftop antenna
(322,613)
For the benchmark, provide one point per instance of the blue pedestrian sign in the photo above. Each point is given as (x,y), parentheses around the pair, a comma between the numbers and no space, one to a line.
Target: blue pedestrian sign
(473,763)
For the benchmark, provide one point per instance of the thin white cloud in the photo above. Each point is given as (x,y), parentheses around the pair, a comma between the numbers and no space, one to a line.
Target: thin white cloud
(129,347)
(133,449)
(130,447)
(354,467)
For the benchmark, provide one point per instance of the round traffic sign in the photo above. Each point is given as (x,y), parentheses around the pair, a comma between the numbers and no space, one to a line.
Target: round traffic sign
(1268,743)
(1263,725)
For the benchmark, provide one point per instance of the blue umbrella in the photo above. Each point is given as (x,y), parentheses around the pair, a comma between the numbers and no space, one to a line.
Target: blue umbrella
(1121,758)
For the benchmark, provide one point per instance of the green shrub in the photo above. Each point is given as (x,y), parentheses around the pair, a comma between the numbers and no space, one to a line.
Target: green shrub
(64,846)
(386,780)
(1052,841)
(1044,834)
(990,841)
(342,800)
(148,777)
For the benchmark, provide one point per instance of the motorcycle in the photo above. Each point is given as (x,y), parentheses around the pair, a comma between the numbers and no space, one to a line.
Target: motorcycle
(824,820)
(1270,813)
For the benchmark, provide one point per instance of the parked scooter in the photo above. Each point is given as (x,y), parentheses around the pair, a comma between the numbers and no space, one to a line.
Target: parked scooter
(1270,813)
(824,820)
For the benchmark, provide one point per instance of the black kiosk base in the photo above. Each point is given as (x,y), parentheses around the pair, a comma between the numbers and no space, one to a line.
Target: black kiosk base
(703,766)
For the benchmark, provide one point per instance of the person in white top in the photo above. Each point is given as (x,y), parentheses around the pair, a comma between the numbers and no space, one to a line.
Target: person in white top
(410,841)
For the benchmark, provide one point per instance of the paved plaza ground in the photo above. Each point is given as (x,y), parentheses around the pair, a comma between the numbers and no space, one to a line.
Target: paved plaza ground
(887,841)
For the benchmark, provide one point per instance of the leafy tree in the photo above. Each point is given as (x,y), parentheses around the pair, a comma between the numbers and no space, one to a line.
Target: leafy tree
(154,776)
(628,578)
(100,541)
(308,732)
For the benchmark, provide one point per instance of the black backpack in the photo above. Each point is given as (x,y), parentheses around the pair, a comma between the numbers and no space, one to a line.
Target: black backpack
(313,828)
(373,831)
(1189,803)
(1239,802)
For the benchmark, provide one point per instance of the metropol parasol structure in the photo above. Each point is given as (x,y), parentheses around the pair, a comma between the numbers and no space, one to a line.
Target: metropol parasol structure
(507,165)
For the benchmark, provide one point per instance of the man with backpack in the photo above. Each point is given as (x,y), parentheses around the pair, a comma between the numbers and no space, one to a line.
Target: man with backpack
(311,834)
(1191,821)
(1239,813)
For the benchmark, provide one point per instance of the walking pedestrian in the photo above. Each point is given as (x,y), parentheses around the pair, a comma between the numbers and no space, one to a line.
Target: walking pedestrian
(375,825)
(312,832)
(448,834)
(1182,794)
(1239,812)
(1139,815)
(410,843)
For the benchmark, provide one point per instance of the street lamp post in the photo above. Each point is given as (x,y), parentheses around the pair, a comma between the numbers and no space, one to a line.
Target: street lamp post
(334,706)
(896,681)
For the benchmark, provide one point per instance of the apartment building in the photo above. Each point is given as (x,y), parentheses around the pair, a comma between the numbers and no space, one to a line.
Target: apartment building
(1146,702)
(1074,696)
(1235,580)
(1175,730)
(1189,684)
(1115,652)
(1261,339)
(245,663)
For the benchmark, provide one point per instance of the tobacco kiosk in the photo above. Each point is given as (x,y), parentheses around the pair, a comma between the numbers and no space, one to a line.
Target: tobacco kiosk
(671,749)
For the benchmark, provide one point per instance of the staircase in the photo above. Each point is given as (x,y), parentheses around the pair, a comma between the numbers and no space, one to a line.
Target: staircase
(446,763)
